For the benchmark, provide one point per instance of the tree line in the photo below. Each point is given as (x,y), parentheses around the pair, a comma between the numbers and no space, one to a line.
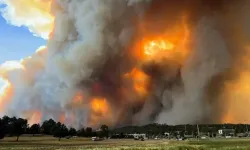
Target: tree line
(194,130)
(12,126)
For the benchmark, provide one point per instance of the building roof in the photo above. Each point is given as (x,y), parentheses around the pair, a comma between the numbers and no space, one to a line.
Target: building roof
(227,130)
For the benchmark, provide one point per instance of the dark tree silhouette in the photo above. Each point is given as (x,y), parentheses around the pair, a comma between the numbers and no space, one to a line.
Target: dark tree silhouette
(81,132)
(72,131)
(2,129)
(48,126)
(6,119)
(60,131)
(88,132)
(18,126)
(35,129)
(104,131)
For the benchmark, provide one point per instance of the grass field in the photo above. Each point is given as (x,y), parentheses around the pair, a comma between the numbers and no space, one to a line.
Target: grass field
(47,143)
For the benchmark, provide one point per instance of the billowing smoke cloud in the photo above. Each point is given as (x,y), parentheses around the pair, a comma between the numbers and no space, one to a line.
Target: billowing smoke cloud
(208,58)
(33,14)
(121,62)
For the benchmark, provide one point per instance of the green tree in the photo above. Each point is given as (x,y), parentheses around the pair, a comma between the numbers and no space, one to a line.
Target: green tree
(6,122)
(72,131)
(6,119)
(2,129)
(18,126)
(81,132)
(60,131)
(104,131)
(35,129)
(88,132)
(48,126)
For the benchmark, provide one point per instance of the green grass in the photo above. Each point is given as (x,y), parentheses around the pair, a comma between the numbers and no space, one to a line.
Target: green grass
(49,143)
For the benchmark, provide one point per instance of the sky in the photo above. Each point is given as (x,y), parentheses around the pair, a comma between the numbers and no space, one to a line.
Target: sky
(16,42)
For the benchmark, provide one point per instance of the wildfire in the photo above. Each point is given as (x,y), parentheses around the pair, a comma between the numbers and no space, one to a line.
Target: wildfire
(100,111)
(62,118)
(236,92)
(32,116)
(227,118)
(140,81)
(78,99)
(154,46)
(174,40)
(99,106)
(171,44)
(237,95)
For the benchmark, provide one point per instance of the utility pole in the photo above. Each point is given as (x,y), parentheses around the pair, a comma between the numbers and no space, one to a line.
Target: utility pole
(198,131)
(247,128)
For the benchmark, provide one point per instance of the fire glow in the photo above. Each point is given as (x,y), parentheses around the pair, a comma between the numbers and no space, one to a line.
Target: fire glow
(157,45)
(93,71)
(6,91)
(140,81)
(78,99)
(100,111)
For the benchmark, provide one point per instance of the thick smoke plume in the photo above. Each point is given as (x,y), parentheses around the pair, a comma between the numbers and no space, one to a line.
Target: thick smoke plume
(130,62)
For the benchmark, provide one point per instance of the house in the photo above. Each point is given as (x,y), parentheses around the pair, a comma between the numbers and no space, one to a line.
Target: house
(226,132)
(141,137)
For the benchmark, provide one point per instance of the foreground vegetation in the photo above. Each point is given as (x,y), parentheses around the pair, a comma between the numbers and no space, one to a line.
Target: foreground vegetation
(16,133)
(12,126)
(49,143)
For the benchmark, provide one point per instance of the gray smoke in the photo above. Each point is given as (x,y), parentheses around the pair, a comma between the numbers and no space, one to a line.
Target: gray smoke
(90,50)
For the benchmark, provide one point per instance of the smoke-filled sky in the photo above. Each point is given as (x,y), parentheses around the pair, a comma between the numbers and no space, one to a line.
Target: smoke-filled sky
(16,42)
(126,62)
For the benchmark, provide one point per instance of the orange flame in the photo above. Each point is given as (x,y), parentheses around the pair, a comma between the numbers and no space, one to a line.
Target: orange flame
(34,117)
(99,105)
(157,45)
(237,96)
(100,112)
(140,81)
(174,40)
(62,118)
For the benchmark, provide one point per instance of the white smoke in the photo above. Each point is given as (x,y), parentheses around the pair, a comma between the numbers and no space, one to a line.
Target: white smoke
(40,20)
